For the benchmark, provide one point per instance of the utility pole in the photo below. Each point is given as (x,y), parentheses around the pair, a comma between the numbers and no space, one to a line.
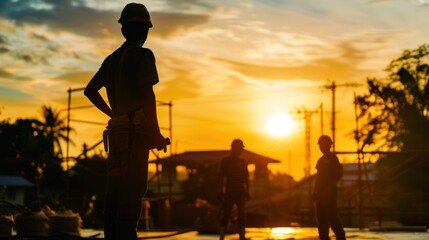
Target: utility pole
(333,86)
(358,150)
(170,129)
(307,168)
(307,118)
(69,91)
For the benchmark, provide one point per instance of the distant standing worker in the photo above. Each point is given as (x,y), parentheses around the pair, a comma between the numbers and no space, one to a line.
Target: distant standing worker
(234,184)
(128,74)
(329,172)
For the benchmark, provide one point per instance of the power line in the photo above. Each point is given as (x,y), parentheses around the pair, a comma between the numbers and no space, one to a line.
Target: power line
(88,122)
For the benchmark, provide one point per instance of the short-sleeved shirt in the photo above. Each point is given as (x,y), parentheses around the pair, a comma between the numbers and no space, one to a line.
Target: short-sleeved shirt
(329,172)
(124,72)
(236,173)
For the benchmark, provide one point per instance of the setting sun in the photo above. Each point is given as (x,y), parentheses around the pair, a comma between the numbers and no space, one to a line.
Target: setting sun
(280,124)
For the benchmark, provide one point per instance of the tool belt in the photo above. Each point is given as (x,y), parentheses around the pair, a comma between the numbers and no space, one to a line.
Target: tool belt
(119,135)
(117,140)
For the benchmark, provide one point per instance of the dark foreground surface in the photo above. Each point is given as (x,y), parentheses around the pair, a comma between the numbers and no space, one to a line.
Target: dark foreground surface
(288,233)
(278,233)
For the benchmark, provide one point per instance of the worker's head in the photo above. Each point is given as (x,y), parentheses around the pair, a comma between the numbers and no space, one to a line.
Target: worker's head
(237,147)
(135,20)
(325,143)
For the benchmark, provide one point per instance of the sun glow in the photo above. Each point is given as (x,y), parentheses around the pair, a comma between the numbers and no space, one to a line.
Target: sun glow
(280,124)
(281,232)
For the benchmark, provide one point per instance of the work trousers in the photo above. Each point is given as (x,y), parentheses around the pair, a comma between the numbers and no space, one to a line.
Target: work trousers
(327,216)
(230,200)
(126,185)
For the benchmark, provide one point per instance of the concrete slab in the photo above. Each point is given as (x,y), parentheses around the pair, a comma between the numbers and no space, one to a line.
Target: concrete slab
(284,233)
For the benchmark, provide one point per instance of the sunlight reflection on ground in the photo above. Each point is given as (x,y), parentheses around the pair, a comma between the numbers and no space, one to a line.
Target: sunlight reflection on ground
(287,233)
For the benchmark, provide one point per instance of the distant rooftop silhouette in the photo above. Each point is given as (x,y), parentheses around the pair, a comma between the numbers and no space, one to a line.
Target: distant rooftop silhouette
(193,157)
(16,181)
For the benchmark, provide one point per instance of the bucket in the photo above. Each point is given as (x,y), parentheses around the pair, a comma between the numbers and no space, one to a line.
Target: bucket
(65,222)
(32,224)
(6,226)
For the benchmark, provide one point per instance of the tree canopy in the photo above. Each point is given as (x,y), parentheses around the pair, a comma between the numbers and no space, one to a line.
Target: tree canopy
(396,115)
(54,127)
(31,148)
(396,108)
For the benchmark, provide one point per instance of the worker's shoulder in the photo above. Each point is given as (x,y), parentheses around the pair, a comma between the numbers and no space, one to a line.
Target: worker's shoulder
(146,52)
(333,155)
(332,158)
(114,54)
(329,157)
(144,55)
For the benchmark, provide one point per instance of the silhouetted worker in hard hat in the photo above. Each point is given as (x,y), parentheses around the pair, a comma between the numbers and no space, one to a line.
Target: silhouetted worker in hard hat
(234,184)
(128,74)
(329,172)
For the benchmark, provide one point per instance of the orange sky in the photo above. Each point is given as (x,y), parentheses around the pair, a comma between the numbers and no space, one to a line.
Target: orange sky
(227,66)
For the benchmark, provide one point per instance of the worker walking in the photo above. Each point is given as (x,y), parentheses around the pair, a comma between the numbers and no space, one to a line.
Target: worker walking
(128,74)
(329,172)
(234,184)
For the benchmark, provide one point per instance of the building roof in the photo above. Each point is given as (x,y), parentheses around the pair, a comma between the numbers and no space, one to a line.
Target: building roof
(351,173)
(15,181)
(195,157)
(353,167)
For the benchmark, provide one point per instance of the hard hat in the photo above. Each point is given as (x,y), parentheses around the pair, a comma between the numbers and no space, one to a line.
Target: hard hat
(237,143)
(324,139)
(135,12)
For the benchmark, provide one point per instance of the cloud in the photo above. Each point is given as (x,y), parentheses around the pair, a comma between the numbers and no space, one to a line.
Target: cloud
(378,1)
(2,39)
(4,74)
(316,70)
(76,77)
(179,87)
(351,57)
(31,57)
(167,24)
(39,37)
(189,5)
(352,53)
(4,50)
(13,93)
(60,15)
(76,17)
(33,45)
(178,82)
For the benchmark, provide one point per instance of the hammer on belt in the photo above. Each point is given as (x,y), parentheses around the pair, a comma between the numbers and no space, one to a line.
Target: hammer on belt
(106,140)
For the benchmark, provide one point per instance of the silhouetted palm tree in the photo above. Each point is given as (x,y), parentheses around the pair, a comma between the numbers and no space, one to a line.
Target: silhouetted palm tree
(54,127)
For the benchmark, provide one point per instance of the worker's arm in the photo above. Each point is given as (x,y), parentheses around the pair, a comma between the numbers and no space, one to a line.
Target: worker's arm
(92,93)
(247,184)
(149,107)
(222,180)
(316,189)
(222,187)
